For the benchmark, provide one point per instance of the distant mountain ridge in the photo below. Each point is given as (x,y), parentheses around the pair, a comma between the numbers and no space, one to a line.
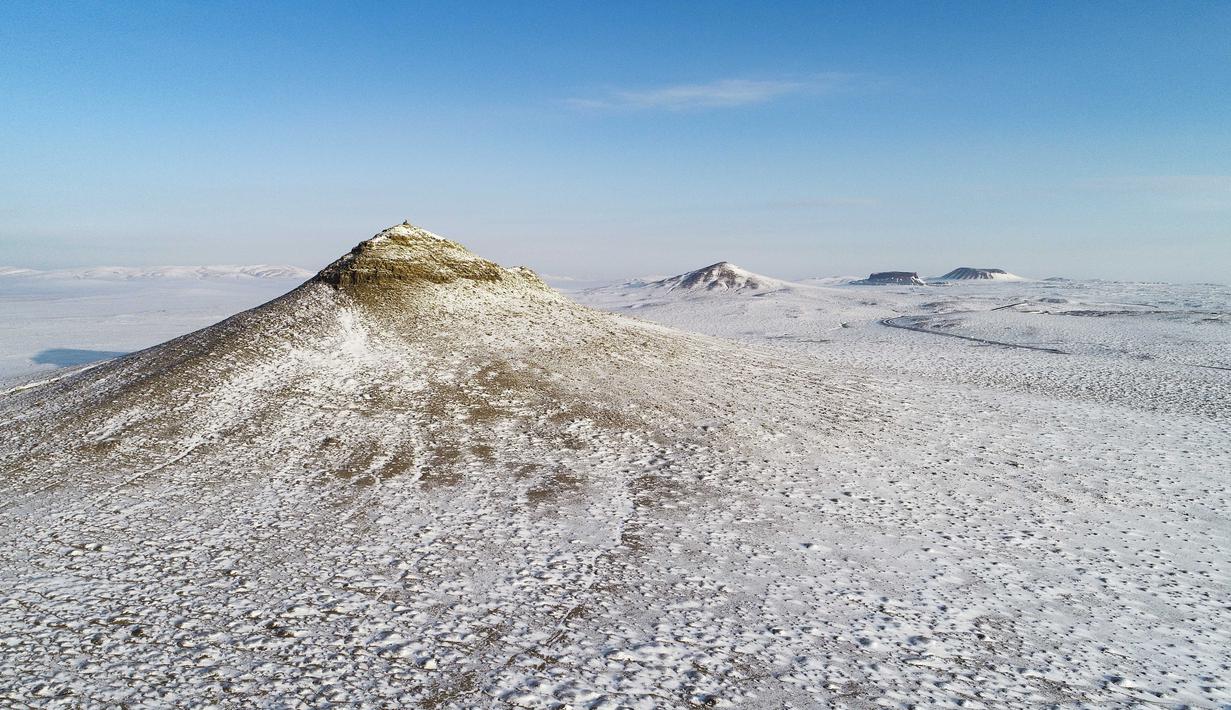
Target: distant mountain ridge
(129,273)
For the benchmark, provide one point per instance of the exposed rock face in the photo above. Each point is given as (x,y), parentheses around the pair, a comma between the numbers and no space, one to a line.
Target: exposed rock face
(405,254)
(968,273)
(898,278)
(723,276)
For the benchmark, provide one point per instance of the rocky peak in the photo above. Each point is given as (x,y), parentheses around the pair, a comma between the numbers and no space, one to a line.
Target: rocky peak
(407,254)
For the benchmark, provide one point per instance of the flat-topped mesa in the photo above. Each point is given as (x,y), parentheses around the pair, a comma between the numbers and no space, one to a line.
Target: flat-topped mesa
(901,278)
(406,254)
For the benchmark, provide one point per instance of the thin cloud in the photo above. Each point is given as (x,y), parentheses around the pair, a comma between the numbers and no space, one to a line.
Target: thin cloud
(724,93)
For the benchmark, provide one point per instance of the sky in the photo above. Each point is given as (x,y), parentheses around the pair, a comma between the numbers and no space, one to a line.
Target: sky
(618,139)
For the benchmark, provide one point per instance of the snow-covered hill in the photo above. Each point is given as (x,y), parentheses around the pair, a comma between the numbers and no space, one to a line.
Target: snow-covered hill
(421,479)
(966,273)
(723,276)
(720,278)
(716,282)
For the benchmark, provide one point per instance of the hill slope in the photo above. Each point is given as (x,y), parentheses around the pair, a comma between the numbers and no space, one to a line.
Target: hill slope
(424,480)
(431,478)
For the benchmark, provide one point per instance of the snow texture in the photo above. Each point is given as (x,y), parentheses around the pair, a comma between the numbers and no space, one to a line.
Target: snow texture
(424,480)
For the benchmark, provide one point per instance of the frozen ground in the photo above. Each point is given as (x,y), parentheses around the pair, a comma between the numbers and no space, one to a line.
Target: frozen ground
(1141,345)
(1058,469)
(427,481)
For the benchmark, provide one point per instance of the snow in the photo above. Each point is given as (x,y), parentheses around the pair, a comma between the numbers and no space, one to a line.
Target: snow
(967,273)
(51,319)
(113,273)
(476,493)
(405,229)
(829,280)
(722,276)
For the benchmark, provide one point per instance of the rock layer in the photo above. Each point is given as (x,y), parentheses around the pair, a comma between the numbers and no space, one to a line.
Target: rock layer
(405,253)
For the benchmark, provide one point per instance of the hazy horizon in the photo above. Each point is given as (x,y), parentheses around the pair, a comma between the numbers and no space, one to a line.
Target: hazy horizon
(565,281)
(608,142)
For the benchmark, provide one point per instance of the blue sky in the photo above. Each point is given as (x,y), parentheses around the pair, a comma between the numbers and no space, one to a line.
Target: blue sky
(613,139)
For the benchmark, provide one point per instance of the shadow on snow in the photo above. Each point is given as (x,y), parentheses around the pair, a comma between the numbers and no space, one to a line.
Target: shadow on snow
(67,357)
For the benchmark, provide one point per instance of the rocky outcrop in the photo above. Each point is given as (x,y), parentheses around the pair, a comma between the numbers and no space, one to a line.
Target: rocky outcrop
(406,254)
(892,278)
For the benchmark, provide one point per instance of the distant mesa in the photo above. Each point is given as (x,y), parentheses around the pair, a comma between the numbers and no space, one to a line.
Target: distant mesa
(892,278)
(723,276)
(967,273)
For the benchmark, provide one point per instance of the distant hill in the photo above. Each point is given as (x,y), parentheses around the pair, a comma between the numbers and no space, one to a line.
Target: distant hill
(714,281)
(892,278)
(723,276)
(967,273)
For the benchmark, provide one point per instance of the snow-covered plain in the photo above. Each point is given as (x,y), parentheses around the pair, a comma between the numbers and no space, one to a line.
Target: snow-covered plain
(1058,471)
(52,319)
(427,481)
